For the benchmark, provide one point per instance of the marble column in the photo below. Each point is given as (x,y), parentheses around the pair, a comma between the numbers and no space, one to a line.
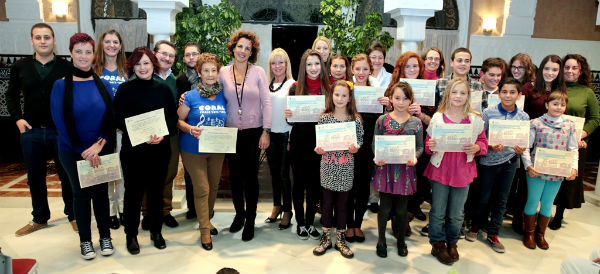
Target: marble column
(411,17)
(519,18)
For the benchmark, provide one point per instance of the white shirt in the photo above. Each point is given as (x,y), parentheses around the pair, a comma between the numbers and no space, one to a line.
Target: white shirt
(278,105)
(382,80)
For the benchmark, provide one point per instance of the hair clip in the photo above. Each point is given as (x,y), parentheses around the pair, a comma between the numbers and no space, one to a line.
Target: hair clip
(350,84)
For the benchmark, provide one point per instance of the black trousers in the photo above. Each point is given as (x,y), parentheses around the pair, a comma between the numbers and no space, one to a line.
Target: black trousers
(392,204)
(144,170)
(363,172)
(243,172)
(306,171)
(279,165)
(334,202)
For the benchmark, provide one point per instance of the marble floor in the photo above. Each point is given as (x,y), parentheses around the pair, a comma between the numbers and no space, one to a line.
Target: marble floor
(56,247)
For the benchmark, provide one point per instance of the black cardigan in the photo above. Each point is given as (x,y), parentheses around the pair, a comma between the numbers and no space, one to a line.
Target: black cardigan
(36,92)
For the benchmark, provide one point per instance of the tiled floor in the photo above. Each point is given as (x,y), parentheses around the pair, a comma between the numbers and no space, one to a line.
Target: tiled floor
(273,251)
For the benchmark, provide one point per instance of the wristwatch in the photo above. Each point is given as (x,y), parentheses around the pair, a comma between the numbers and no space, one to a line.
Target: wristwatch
(268,130)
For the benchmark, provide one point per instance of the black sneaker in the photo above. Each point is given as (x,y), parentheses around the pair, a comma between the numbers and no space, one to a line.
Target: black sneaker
(106,247)
(313,233)
(302,232)
(170,221)
(87,250)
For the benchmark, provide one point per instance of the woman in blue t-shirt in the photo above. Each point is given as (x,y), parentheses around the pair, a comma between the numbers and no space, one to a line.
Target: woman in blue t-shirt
(203,106)
(109,64)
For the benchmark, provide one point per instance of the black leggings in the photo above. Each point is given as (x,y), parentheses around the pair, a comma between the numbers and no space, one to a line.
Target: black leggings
(397,204)
(305,168)
(243,172)
(279,165)
(334,201)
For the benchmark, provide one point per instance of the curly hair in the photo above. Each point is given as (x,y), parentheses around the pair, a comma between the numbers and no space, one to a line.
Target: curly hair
(207,57)
(250,35)
(80,37)
(137,54)
(530,69)
(401,63)
(585,78)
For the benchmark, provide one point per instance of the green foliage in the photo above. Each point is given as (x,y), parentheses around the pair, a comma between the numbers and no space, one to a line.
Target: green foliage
(340,27)
(208,26)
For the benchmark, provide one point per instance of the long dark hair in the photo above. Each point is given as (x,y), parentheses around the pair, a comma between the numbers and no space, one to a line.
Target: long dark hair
(557,84)
(301,85)
(350,107)
(585,78)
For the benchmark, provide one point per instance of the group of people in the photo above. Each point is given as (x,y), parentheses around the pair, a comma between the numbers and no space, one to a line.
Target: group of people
(90,100)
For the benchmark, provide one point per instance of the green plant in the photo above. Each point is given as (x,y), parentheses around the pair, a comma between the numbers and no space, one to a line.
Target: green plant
(208,26)
(340,27)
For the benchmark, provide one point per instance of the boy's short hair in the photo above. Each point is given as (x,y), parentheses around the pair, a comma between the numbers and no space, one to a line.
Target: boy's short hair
(163,42)
(493,62)
(459,50)
(510,81)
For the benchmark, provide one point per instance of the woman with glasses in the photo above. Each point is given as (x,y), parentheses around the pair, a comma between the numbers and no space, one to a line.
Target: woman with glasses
(434,63)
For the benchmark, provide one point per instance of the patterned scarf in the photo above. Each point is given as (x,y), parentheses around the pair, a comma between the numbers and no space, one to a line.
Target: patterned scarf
(192,76)
(207,91)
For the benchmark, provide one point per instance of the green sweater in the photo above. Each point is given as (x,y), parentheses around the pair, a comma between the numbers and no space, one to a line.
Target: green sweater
(171,81)
(583,103)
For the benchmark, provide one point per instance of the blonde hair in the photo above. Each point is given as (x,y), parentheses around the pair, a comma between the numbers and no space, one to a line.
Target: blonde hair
(467,108)
(326,40)
(288,66)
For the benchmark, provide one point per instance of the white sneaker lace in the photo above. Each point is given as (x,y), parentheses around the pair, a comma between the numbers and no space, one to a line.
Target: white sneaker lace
(87,247)
(105,243)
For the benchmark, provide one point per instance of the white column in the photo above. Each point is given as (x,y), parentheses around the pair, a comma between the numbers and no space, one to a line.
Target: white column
(160,16)
(411,17)
(85,18)
(27,11)
(519,18)
(464,11)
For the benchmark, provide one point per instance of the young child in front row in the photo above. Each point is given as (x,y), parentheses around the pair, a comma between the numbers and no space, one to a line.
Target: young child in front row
(497,168)
(547,131)
(337,168)
(451,173)
(396,182)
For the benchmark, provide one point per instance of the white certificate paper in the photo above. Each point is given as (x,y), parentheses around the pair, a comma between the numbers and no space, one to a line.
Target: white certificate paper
(451,137)
(579,122)
(366,99)
(423,90)
(494,100)
(395,149)
(140,127)
(109,170)
(553,162)
(337,136)
(217,140)
(476,100)
(305,108)
(509,132)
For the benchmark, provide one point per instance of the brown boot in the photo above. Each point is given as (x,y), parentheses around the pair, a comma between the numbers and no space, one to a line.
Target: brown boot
(440,251)
(529,230)
(540,231)
(453,252)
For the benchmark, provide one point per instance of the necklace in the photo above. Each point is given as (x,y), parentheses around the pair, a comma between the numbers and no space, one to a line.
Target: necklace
(278,88)
(240,95)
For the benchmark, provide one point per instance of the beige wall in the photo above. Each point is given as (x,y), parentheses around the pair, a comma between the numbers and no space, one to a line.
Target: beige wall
(482,9)
(561,19)
(71,17)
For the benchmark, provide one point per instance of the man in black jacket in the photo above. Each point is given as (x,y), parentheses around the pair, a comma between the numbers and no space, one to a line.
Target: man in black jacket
(33,77)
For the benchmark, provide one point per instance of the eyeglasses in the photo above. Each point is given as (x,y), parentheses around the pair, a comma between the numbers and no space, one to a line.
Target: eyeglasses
(166,55)
(376,57)
(517,67)
(190,54)
(433,59)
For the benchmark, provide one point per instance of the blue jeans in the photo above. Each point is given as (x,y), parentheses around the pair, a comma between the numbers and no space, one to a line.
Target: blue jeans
(495,182)
(39,144)
(542,192)
(83,198)
(447,212)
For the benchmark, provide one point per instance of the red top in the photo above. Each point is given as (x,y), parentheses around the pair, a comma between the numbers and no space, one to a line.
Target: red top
(535,107)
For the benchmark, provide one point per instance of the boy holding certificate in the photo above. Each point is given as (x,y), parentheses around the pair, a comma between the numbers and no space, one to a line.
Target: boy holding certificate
(497,168)
(552,132)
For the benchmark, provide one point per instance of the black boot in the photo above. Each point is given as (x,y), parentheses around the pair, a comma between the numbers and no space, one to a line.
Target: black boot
(132,245)
(248,232)
(159,241)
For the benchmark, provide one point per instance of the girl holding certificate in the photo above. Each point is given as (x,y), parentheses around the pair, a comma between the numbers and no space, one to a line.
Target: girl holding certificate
(396,182)
(553,132)
(81,107)
(109,64)
(203,106)
(312,80)
(337,168)
(549,77)
(280,75)
(245,86)
(146,164)
(450,173)
(582,103)
(359,196)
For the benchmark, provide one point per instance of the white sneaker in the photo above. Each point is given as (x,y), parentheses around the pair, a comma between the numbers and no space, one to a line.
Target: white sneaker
(87,250)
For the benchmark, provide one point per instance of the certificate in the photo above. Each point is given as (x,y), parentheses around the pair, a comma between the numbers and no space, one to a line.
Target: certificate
(366,99)
(109,170)
(476,99)
(579,122)
(337,136)
(140,127)
(494,100)
(217,140)
(395,149)
(509,132)
(553,162)
(423,90)
(451,137)
(306,108)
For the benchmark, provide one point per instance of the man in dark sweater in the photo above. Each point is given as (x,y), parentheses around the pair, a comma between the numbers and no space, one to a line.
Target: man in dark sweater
(33,77)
